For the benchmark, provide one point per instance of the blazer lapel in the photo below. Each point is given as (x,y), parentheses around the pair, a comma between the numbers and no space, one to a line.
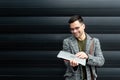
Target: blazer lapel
(74,45)
(88,43)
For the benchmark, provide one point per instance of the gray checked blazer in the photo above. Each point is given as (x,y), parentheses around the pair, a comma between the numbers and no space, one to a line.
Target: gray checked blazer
(96,59)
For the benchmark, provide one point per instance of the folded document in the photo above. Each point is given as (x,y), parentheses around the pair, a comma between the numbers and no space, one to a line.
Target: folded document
(69,56)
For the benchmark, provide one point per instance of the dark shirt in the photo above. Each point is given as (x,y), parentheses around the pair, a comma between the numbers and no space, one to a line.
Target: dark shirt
(81,45)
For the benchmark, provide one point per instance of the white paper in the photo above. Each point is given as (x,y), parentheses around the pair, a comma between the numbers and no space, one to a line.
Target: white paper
(69,56)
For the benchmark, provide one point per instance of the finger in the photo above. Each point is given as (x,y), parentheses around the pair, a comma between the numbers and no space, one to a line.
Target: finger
(71,62)
(74,63)
(78,55)
(65,60)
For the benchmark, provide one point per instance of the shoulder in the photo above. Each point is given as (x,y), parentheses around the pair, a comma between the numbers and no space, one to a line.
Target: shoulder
(68,39)
(96,41)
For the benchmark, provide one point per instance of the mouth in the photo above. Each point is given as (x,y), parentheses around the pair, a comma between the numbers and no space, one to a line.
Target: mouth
(76,34)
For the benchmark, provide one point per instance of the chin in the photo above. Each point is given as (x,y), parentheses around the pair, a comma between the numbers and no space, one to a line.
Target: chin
(77,36)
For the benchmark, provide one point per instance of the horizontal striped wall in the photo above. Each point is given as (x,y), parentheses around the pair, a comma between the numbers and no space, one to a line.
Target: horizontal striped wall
(32,32)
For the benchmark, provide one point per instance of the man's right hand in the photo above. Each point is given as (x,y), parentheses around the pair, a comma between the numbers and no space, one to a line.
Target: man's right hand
(73,63)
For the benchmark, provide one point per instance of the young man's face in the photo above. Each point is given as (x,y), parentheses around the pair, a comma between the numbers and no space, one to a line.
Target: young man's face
(77,29)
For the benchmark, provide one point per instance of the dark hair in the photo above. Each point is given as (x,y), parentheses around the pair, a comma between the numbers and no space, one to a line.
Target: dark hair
(75,18)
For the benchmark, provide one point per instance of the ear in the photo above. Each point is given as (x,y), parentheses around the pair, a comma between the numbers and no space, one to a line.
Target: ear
(83,26)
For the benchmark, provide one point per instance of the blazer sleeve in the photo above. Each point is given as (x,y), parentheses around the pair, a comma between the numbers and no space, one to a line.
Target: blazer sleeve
(97,59)
(66,47)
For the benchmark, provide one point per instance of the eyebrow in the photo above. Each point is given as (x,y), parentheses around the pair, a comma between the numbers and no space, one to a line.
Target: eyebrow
(75,28)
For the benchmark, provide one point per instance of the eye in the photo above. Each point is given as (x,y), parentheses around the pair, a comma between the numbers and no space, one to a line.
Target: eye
(76,28)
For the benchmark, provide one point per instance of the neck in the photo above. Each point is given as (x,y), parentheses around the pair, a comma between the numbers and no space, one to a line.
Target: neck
(82,37)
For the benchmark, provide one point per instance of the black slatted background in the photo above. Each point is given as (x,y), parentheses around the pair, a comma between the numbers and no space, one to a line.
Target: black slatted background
(32,31)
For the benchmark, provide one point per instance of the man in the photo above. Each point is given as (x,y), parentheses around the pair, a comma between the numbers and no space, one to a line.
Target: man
(84,47)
